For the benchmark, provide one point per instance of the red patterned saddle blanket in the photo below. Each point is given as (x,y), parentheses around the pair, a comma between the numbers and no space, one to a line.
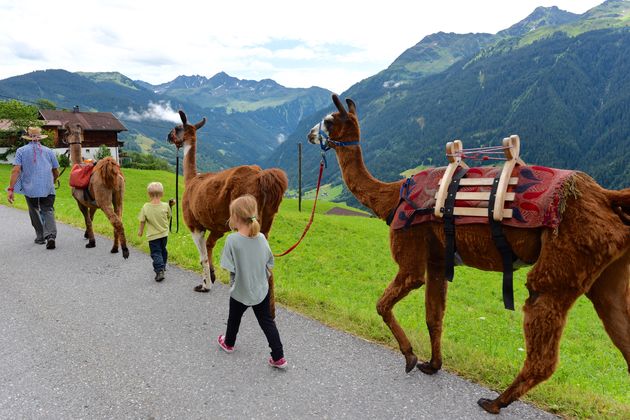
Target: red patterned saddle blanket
(539,200)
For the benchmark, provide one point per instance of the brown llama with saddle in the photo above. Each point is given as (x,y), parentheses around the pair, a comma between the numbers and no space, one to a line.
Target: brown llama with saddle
(581,247)
(104,189)
(207,198)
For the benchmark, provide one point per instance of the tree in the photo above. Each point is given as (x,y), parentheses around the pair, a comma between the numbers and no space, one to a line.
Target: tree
(102,152)
(46,104)
(145,161)
(21,117)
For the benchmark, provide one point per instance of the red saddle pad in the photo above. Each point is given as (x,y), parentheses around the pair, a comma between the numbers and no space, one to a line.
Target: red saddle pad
(80,175)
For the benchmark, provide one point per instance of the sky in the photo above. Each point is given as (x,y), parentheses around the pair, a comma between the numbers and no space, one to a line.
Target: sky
(331,44)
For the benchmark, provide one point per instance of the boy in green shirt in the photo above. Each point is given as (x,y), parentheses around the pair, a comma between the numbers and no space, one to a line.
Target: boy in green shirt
(155,215)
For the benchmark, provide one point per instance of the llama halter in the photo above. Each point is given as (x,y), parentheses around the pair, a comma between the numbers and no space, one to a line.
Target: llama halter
(325,141)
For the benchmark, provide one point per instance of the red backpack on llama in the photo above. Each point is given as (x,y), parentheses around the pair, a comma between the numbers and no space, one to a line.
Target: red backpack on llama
(80,175)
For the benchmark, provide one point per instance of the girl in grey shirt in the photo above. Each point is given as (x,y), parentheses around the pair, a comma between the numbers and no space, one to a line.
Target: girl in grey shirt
(248,258)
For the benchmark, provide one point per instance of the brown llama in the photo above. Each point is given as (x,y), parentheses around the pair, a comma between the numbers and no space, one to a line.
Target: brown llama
(106,190)
(207,197)
(588,254)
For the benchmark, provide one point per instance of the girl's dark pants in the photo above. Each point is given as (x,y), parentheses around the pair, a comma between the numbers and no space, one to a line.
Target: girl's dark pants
(266,322)
(159,254)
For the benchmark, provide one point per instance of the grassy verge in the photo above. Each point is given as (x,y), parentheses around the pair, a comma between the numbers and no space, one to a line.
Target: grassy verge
(340,270)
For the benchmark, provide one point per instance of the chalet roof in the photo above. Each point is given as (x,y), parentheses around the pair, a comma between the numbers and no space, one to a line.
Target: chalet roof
(91,121)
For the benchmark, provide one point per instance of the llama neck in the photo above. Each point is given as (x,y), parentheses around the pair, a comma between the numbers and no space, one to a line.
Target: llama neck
(380,197)
(75,153)
(190,160)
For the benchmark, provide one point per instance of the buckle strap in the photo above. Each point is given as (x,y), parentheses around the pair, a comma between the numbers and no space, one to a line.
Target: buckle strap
(449,224)
(505,250)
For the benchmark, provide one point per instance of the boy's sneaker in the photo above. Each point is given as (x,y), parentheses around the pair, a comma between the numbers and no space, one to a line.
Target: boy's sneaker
(280,363)
(159,276)
(225,347)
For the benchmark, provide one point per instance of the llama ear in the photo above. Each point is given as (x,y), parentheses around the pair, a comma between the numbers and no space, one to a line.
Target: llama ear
(352,108)
(339,105)
(200,123)
(182,115)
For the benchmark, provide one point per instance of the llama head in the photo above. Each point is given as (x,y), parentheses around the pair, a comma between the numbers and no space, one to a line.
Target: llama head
(185,134)
(73,133)
(339,127)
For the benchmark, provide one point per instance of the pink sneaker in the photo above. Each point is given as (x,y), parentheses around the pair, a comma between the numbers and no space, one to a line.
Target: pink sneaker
(225,347)
(280,364)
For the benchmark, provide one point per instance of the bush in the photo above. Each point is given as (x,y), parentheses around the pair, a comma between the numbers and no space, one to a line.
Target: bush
(144,161)
(64,160)
(102,152)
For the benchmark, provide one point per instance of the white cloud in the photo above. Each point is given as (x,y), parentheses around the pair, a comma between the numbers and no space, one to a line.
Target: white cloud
(334,44)
(160,111)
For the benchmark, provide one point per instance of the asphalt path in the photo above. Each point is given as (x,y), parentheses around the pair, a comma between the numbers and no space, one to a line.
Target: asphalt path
(86,334)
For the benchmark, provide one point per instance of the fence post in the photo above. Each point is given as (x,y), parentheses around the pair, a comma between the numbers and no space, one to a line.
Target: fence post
(300,176)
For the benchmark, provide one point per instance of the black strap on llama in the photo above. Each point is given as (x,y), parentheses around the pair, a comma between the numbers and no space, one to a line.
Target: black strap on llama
(405,191)
(449,224)
(500,241)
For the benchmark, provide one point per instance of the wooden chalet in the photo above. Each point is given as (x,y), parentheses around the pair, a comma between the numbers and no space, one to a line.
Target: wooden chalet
(99,128)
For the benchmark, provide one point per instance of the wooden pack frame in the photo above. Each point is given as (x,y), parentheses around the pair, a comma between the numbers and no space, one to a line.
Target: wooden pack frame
(454,152)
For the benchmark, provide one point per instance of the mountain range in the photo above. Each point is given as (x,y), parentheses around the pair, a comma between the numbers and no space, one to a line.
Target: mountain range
(246,119)
(561,81)
(557,79)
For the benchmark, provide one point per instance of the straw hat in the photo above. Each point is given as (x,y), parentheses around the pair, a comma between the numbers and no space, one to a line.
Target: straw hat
(34,133)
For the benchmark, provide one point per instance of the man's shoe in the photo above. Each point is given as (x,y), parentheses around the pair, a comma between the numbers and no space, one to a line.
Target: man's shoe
(224,347)
(40,241)
(279,364)
(159,276)
(50,243)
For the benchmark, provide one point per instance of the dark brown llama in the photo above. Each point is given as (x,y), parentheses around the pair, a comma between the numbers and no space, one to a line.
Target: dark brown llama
(208,196)
(589,254)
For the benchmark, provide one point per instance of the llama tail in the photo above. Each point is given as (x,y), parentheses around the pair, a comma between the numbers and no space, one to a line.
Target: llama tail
(109,171)
(273,183)
(620,202)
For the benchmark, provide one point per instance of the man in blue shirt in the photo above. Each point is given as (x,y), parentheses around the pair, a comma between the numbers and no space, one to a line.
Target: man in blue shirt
(34,173)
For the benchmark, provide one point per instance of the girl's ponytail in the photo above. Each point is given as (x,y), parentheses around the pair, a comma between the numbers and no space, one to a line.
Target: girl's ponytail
(245,209)
(254,226)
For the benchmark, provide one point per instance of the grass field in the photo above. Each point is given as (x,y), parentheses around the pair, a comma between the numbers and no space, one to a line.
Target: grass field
(341,268)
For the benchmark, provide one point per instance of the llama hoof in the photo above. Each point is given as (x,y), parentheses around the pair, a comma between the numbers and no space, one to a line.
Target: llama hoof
(199,288)
(410,363)
(125,252)
(489,406)
(426,368)
(213,278)
(114,250)
(86,236)
(90,244)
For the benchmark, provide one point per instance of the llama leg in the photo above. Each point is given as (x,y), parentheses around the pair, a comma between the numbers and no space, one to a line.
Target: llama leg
(435,303)
(118,209)
(212,239)
(545,317)
(199,239)
(610,295)
(399,287)
(272,299)
(117,224)
(264,229)
(89,233)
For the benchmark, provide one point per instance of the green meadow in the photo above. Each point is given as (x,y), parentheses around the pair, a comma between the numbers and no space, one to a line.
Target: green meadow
(339,271)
